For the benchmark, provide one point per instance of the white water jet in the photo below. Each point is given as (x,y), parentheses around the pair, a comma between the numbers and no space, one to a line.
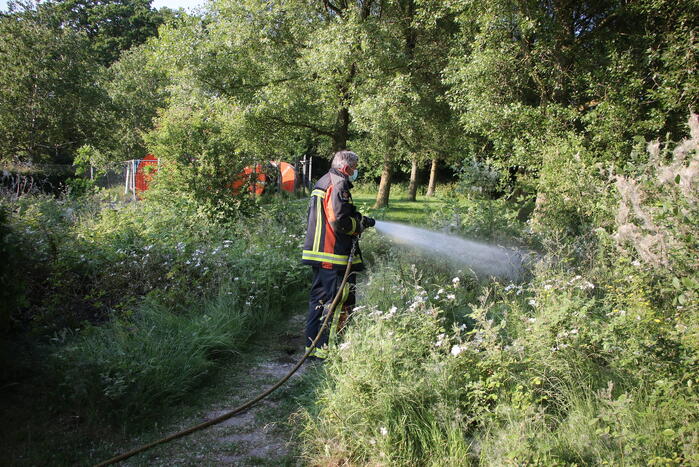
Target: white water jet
(483,259)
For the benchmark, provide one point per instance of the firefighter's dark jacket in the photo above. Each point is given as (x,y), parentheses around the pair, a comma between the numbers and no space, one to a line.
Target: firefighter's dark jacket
(333,222)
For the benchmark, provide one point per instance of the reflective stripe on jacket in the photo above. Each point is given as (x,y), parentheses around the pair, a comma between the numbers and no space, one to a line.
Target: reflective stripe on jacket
(333,221)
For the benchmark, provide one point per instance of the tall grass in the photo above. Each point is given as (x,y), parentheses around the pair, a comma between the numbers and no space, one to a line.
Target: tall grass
(142,302)
(135,365)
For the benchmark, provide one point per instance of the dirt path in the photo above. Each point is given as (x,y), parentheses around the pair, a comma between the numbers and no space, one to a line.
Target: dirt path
(260,436)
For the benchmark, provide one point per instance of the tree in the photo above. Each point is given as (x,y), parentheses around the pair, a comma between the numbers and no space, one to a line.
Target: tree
(49,97)
(401,111)
(292,66)
(526,72)
(137,90)
(112,26)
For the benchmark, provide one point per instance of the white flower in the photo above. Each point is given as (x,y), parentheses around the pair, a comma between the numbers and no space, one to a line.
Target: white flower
(532,302)
(391,312)
(456,281)
(440,340)
(440,291)
(451,296)
(383,431)
(456,350)
(532,320)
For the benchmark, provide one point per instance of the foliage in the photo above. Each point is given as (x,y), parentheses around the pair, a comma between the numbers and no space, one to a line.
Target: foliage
(136,365)
(201,146)
(12,285)
(177,290)
(524,73)
(137,89)
(111,26)
(49,103)
(392,387)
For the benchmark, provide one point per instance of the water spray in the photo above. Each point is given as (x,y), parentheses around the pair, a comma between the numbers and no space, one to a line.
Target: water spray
(483,259)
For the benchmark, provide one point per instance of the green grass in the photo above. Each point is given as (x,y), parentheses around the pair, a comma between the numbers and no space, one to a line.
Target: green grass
(399,209)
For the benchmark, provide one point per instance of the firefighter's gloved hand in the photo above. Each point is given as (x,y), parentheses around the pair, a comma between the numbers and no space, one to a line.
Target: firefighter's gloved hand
(367,222)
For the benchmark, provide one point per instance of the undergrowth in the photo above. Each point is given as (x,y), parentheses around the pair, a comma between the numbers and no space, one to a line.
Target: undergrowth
(131,306)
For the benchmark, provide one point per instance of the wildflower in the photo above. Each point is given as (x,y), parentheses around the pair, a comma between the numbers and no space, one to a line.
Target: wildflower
(440,340)
(456,281)
(532,320)
(532,302)
(383,431)
(451,296)
(456,350)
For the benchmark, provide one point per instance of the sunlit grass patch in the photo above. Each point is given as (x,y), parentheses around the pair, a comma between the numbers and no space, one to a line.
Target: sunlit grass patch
(399,209)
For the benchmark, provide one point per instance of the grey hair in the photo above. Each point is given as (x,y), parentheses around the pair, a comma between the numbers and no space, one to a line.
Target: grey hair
(344,158)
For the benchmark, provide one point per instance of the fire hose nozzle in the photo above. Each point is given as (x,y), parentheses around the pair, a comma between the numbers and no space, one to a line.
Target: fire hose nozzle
(367,222)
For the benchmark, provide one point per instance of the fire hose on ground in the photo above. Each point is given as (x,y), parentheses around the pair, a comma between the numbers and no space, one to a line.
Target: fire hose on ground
(242,408)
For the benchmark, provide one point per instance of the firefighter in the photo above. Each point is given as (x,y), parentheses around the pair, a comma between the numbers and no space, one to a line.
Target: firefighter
(333,225)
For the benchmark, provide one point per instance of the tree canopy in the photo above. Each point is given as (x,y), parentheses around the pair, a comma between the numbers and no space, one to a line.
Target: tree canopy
(401,81)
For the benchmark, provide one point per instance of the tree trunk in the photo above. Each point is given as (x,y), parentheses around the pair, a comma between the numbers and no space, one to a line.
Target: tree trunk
(341,133)
(385,185)
(433,178)
(341,130)
(412,188)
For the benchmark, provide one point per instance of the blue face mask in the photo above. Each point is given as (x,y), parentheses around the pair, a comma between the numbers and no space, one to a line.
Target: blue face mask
(354,175)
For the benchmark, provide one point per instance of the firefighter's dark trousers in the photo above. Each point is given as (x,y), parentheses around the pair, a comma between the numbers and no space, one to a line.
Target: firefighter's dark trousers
(323,290)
